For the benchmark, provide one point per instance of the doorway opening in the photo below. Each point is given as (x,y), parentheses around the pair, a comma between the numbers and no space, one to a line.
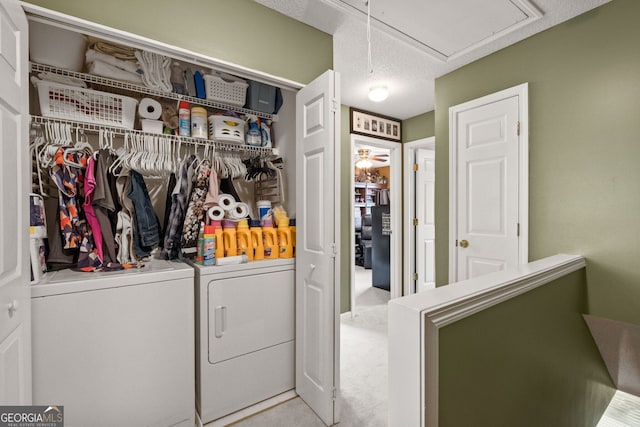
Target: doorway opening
(376,206)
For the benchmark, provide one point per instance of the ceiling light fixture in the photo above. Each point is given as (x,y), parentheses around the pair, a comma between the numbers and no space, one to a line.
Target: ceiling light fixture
(378,93)
(363,159)
(364,164)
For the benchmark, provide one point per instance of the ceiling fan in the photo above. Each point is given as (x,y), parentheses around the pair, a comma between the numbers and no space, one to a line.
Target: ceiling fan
(365,158)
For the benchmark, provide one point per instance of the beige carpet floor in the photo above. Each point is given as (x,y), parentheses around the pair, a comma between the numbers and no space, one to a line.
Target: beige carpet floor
(363,360)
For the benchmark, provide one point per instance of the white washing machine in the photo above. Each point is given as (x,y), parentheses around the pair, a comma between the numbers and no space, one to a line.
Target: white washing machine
(245,331)
(117,348)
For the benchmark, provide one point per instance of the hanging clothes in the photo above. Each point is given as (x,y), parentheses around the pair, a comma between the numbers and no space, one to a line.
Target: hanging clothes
(146,233)
(212,193)
(104,206)
(180,197)
(124,226)
(167,209)
(195,210)
(66,179)
(92,219)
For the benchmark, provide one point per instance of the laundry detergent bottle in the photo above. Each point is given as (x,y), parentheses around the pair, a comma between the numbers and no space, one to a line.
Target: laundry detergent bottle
(292,226)
(217,231)
(243,236)
(229,238)
(256,240)
(270,241)
(284,239)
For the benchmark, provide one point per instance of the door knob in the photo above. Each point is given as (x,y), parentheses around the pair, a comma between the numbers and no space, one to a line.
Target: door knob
(12,308)
(464,243)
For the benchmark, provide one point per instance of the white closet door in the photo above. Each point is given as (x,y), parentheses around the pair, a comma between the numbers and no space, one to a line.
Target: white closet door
(15,308)
(317,264)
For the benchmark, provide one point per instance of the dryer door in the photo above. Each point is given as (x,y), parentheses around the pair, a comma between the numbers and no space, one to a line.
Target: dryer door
(250,313)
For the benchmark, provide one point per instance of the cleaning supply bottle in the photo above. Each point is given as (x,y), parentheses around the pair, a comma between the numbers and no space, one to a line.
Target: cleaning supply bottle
(253,136)
(256,240)
(265,214)
(243,236)
(184,118)
(266,134)
(284,239)
(292,226)
(229,238)
(217,227)
(200,252)
(270,241)
(209,253)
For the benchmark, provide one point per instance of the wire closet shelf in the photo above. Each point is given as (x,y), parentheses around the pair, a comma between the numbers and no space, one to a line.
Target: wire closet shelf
(96,128)
(130,87)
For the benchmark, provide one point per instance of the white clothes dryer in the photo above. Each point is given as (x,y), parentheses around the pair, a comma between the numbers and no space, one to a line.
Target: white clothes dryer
(245,336)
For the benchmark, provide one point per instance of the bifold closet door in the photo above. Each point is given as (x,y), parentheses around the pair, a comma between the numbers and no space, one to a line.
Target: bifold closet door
(15,326)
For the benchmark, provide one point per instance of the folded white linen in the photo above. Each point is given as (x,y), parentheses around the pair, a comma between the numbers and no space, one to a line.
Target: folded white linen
(103,69)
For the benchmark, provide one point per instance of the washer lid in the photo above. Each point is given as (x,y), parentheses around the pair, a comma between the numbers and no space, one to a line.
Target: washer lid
(69,281)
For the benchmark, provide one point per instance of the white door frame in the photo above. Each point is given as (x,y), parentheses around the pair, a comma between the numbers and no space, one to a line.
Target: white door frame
(395,200)
(409,242)
(522,92)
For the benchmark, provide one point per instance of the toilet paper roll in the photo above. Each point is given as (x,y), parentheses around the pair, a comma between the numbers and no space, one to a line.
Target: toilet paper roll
(216,213)
(238,211)
(149,109)
(226,201)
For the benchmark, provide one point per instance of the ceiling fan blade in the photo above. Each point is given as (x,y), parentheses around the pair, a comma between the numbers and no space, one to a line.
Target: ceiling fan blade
(380,158)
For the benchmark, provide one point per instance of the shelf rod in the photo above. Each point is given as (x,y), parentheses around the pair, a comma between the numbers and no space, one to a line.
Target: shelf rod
(95,128)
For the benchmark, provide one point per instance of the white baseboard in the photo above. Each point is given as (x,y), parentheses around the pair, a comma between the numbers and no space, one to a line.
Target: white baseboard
(252,410)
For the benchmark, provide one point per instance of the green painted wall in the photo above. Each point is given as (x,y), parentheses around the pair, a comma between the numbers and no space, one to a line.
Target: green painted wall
(242,32)
(345,215)
(418,127)
(584,102)
(541,368)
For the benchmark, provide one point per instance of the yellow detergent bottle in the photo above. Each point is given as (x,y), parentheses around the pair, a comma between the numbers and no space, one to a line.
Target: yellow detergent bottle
(270,241)
(229,238)
(292,226)
(256,240)
(217,230)
(243,235)
(284,239)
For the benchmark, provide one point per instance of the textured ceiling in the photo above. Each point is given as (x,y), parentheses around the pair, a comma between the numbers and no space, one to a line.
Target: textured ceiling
(408,65)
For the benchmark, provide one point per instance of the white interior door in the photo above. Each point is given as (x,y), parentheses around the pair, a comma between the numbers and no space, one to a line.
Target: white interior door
(488,162)
(425,214)
(15,303)
(317,262)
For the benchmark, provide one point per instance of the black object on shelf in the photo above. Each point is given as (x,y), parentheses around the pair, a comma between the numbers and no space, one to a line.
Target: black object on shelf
(365,241)
(380,249)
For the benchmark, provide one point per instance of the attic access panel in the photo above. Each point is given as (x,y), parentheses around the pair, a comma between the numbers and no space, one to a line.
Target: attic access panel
(447,28)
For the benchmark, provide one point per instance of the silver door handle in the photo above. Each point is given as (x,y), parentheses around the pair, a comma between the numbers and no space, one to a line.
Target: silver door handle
(13,307)
(221,320)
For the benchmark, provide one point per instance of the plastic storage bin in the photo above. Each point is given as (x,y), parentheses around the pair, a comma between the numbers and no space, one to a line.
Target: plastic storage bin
(55,46)
(226,88)
(226,129)
(261,97)
(85,105)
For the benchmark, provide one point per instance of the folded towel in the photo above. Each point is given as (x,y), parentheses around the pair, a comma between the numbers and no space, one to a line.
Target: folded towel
(92,56)
(65,80)
(103,69)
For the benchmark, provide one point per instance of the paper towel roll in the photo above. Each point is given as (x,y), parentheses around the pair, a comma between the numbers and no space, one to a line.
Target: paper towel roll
(238,211)
(149,109)
(216,213)
(226,201)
